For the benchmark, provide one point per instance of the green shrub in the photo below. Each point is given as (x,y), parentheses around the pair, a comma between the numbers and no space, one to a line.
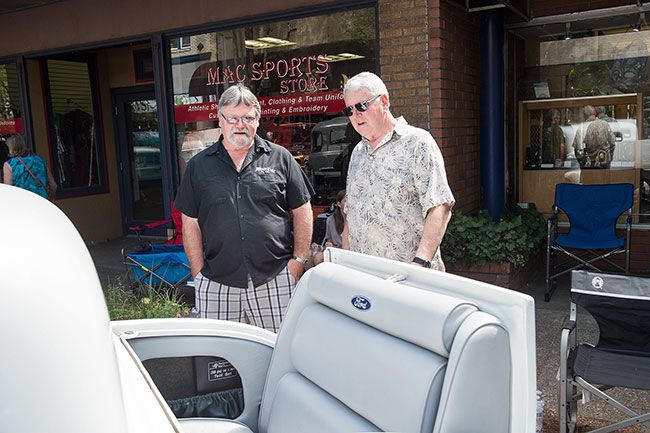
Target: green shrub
(148,303)
(477,239)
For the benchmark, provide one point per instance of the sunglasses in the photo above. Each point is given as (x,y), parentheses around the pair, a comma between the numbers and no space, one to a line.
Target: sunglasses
(233,120)
(360,106)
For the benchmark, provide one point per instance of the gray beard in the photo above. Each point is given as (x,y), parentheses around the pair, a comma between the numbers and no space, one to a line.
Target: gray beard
(239,142)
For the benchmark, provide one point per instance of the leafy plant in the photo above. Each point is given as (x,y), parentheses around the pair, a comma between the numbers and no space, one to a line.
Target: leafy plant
(145,303)
(477,239)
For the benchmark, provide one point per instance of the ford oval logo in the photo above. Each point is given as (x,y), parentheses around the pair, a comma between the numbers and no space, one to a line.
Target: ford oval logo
(361,303)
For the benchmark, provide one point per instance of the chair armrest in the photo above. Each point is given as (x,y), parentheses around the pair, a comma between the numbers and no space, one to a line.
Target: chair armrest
(567,340)
(569,325)
(157,224)
(551,225)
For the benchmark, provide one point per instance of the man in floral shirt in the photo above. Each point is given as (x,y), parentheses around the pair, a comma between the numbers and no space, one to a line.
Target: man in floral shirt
(398,199)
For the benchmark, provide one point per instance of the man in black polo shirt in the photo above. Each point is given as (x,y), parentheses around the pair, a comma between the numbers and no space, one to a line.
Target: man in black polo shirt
(244,196)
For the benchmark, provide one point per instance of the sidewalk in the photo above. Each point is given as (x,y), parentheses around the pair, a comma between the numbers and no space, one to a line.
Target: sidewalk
(549,317)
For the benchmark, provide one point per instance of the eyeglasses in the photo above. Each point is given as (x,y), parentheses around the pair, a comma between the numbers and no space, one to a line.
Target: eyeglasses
(233,120)
(360,106)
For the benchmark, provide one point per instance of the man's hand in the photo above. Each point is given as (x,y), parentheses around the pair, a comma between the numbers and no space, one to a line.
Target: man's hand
(295,269)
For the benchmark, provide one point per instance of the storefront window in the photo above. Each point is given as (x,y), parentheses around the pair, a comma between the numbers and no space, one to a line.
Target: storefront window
(10,117)
(296,68)
(585,115)
(71,97)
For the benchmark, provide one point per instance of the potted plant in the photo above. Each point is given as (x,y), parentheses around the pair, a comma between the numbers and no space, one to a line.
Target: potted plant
(503,252)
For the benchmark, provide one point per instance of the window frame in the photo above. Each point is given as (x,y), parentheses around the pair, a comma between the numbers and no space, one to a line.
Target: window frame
(102,186)
(184,43)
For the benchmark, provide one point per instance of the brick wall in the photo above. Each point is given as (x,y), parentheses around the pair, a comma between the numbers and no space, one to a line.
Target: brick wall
(455,97)
(430,62)
(503,274)
(404,58)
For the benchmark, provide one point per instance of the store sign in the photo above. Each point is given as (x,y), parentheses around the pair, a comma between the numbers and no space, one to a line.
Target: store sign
(12,125)
(297,74)
(283,105)
(304,103)
(201,112)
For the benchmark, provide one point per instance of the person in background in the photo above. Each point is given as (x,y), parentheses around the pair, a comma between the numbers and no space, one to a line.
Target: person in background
(248,199)
(398,199)
(336,223)
(553,141)
(27,170)
(334,226)
(594,141)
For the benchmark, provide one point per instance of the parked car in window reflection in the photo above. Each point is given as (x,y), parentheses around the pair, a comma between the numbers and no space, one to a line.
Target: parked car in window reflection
(147,163)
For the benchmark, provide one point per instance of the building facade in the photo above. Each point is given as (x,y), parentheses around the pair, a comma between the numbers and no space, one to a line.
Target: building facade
(117,96)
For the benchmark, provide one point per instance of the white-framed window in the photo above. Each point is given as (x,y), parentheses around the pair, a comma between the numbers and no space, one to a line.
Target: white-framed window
(181,43)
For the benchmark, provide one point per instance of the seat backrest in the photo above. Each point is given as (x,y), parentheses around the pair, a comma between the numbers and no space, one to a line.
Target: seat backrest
(620,304)
(593,209)
(358,352)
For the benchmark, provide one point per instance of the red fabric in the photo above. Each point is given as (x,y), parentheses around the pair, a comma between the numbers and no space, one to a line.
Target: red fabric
(177,225)
(177,222)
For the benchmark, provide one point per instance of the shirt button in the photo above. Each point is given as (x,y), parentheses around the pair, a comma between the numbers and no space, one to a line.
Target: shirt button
(242,238)
(241,216)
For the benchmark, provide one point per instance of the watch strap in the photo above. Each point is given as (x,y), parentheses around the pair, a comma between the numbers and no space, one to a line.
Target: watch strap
(421,262)
(300,260)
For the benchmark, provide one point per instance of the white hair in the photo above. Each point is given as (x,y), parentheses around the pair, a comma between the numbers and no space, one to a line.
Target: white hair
(365,80)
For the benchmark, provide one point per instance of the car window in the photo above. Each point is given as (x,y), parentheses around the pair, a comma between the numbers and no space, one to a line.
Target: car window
(337,138)
(316,141)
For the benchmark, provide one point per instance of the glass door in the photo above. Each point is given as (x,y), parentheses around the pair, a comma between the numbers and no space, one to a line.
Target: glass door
(140,157)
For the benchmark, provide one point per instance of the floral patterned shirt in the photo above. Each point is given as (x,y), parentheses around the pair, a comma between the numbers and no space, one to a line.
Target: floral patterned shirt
(391,189)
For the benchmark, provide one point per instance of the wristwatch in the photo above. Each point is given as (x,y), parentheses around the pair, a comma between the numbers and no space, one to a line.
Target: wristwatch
(421,262)
(300,260)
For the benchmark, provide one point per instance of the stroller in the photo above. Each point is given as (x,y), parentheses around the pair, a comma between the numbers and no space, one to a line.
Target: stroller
(159,265)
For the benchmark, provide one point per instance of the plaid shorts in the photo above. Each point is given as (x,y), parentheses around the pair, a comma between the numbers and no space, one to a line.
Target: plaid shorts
(262,306)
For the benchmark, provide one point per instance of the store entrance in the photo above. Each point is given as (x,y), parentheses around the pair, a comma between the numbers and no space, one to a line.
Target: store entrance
(141,168)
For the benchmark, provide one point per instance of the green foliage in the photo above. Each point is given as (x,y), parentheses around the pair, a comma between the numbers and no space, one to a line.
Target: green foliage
(147,303)
(477,239)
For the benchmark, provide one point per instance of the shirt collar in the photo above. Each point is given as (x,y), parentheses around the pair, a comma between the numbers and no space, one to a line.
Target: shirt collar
(400,129)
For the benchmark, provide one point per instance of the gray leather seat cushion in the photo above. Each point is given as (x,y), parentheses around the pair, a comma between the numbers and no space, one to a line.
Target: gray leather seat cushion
(300,406)
(390,382)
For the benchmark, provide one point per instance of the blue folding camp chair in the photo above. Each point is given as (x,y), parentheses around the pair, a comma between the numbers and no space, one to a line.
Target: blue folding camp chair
(592,211)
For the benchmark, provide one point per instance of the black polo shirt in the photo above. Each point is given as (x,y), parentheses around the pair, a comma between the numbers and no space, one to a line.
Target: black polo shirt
(244,216)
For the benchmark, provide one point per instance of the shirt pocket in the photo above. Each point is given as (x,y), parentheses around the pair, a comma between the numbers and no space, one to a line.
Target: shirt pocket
(268,186)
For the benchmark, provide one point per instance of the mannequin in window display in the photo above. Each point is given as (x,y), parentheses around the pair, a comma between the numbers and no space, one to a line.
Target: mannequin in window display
(594,141)
(553,140)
